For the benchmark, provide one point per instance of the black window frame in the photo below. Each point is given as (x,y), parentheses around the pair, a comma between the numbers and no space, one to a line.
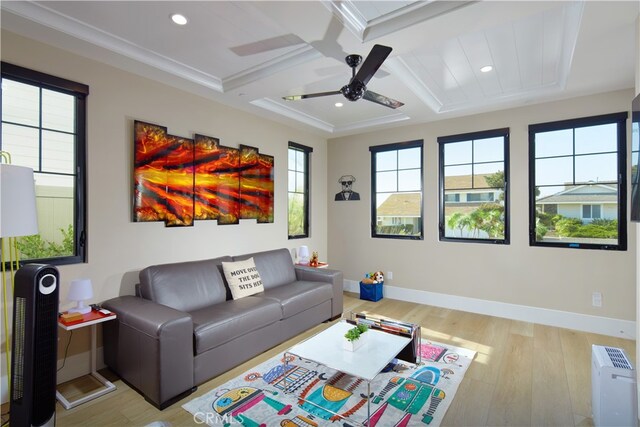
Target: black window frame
(615,118)
(396,147)
(471,136)
(80,92)
(307,188)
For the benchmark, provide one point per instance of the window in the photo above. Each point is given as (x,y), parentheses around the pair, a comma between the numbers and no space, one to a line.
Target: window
(591,212)
(43,127)
(396,186)
(476,165)
(298,190)
(577,183)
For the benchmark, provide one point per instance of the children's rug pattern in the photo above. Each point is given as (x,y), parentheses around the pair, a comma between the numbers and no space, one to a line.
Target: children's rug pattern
(405,395)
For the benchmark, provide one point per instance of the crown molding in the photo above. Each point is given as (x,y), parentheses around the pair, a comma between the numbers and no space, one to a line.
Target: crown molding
(283,110)
(348,13)
(369,123)
(291,59)
(405,74)
(49,18)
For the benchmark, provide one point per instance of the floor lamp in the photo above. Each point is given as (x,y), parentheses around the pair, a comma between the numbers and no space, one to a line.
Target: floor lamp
(18,217)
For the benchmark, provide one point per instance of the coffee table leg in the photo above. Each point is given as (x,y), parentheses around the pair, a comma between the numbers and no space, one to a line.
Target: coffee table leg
(368,403)
(286,373)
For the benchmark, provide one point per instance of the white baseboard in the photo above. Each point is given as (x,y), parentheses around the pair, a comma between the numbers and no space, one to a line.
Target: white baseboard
(563,319)
(75,366)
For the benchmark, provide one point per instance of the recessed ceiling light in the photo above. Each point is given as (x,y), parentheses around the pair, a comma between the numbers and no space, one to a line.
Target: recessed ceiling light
(339,104)
(486,68)
(179,19)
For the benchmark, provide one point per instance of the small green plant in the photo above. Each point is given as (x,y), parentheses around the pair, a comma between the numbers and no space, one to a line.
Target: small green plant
(35,247)
(354,333)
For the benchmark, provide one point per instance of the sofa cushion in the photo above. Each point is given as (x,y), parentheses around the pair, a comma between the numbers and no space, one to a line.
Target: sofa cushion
(298,296)
(275,267)
(220,323)
(185,286)
(243,278)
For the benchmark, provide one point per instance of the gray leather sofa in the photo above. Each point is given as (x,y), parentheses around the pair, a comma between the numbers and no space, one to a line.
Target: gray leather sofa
(183,328)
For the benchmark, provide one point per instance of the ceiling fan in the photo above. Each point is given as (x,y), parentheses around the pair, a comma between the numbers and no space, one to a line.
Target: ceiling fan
(357,86)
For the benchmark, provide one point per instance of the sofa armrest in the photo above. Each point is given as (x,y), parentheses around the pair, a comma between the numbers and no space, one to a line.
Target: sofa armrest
(325,275)
(150,346)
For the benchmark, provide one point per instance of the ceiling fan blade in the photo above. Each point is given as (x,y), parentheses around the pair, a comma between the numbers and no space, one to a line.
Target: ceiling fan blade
(310,95)
(267,45)
(382,100)
(375,59)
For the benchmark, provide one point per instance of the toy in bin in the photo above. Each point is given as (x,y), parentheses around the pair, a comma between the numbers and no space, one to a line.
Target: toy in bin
(371,286)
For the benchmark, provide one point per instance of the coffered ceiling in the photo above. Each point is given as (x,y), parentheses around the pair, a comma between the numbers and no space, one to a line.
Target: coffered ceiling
(249,54)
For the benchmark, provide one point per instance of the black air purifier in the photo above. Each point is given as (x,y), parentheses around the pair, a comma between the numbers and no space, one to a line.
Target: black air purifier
(34,346)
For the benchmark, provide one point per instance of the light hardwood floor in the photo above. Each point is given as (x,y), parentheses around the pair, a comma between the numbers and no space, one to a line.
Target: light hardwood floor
(524,374)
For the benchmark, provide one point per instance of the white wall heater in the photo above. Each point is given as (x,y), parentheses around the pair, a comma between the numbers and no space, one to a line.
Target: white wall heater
(613,388)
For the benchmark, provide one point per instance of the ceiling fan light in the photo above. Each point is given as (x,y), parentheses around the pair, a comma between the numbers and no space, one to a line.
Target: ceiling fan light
(179,19)
(486,68)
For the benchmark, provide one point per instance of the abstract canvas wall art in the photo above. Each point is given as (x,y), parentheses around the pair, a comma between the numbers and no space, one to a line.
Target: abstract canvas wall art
(178,180)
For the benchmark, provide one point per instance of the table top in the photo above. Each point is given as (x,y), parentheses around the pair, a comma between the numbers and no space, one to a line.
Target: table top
(91,318)
(366,362)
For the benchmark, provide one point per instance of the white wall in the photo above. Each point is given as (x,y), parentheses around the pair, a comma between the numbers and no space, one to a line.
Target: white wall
(119,248)
(561,280)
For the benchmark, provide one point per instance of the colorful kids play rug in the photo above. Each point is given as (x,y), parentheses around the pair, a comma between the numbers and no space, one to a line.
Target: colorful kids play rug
(404,394)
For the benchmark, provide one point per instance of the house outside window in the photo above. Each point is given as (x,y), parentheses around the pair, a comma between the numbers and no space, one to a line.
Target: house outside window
(44,128)
(396,186)
(577,188)
(298,190)
(474,175)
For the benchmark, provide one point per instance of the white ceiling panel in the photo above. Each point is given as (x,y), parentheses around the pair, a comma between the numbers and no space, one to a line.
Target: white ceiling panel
(249,54)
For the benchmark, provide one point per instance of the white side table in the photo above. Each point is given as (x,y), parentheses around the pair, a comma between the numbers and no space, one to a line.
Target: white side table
(90,319)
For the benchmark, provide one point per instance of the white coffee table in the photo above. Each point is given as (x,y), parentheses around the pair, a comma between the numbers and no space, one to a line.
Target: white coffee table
(366,362)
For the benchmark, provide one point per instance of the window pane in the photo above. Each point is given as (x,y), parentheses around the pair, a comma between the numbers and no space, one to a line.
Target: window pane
(456,153)
(595,211)
(58,152)
(409,158)
(556,171)
(399,214)
(483,221)
(386,182)
(457,177)
(300,161)
(20,103)
(292,159)
(291,181)
(554,143)
(296,214)
(409,180)
(58,111)
(386,160)
(488,150)
(586,211)
(486,170)
(597,168)
(22,144)
(597,139)
(300,182)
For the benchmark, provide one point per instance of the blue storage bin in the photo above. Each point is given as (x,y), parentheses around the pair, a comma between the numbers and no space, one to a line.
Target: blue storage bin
(372,292)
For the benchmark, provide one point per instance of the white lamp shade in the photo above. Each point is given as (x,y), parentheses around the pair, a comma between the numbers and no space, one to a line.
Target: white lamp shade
(303,254)
(18,214)
(80,291)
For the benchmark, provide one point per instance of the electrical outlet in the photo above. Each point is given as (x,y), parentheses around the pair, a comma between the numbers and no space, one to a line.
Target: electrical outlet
(390,275)
(596,299)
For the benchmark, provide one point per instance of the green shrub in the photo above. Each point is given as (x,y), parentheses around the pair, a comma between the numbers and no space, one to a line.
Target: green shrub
(565,227)
(35,247)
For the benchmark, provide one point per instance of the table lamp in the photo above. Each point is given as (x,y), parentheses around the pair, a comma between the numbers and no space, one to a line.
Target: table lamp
(303,255)
(80,291)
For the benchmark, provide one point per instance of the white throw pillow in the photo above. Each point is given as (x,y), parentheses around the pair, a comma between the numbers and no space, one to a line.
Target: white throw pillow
(243,278)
